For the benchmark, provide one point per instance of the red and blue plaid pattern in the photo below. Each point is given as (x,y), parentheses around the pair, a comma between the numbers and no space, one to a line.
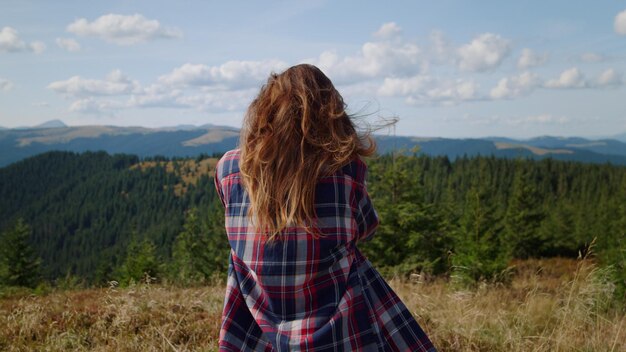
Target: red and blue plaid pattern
(299,293)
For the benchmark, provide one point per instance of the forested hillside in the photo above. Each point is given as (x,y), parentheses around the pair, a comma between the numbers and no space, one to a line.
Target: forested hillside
(470,217)
(101,217)
(86,209)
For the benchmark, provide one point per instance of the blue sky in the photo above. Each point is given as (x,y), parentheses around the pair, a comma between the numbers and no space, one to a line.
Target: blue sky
(449,69)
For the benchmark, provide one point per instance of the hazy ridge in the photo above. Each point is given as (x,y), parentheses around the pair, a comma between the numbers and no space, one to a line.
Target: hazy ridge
(190,141)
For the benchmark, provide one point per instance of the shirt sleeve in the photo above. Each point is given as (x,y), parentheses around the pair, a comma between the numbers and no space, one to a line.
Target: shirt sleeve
(366,216)
(217,183)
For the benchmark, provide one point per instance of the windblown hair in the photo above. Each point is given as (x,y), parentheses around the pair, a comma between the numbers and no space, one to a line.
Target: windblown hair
(295,131)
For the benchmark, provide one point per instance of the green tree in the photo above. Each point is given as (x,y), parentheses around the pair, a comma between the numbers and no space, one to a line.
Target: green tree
(557,231)
(479,253)
(200,250)
(410,236)
(20,266)
(612,250)
(218,245)
(141,262)
(393,191)
(523,216)
(105,269)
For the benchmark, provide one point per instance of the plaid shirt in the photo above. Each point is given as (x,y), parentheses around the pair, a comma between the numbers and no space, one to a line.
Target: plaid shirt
(301,293)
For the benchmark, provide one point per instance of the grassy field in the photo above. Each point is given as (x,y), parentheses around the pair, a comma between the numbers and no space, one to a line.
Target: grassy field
(189,170)
(550,305)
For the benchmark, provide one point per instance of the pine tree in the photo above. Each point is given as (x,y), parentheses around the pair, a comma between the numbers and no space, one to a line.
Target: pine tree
(410,236)
(141,262)
(20,266)
(394,193)
(613,247)
(218,245)
(523,217)
(557,231)
(479,253)
(200,251)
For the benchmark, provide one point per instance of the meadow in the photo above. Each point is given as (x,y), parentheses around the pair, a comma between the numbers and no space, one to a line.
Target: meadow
(549,305)
(482,250)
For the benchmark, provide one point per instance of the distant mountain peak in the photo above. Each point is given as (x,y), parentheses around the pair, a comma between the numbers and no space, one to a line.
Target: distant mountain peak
(51,124)
(180,127)
(620,137)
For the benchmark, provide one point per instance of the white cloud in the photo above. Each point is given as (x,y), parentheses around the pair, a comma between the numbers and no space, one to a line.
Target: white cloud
(219,101)
(117,92)
(530,59)
(93,106)
(539,119)
(115,83)
(450,91)
(156,95)
(38,47)
(10,42)
(5,85)
(620,23)
(591,57)
(512,87)
(68,44)
(388,30)
(484,53)
(406,86)
(609,78)
(374,60)
(388,55)
(571,78)
(388,65)
(441,49)
(360,90)
(205,99)
(233,74)
(424,89)
(122,29)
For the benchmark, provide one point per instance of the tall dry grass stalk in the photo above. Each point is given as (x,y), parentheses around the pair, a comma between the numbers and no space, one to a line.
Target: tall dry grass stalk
(551,305)
(139,318)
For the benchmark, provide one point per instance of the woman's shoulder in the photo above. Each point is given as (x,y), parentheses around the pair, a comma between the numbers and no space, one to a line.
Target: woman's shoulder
(355,169)
(228,164)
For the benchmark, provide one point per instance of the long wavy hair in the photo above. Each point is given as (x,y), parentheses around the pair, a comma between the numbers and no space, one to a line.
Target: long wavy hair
(295,131)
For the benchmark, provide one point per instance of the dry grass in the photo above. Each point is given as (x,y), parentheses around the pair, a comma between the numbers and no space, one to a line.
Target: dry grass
(551,305)
(67,134)
(535,150)
(212,136)
(142,318)
(189,170)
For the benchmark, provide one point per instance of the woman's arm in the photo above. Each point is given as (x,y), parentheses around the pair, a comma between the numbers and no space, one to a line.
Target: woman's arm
(366,216)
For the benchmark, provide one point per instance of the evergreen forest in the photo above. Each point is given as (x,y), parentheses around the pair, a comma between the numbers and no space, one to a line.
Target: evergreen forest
(98,218)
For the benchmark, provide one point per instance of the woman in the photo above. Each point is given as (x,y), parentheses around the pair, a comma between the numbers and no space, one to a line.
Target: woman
(296,207)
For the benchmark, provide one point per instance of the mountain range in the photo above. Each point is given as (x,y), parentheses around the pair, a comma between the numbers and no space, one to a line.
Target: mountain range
(190,140)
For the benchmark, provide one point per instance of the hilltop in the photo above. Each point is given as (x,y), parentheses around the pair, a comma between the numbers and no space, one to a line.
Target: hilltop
(190,141)
(553,304)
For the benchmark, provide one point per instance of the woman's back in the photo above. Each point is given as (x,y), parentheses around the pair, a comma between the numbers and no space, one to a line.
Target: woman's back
(304,292)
